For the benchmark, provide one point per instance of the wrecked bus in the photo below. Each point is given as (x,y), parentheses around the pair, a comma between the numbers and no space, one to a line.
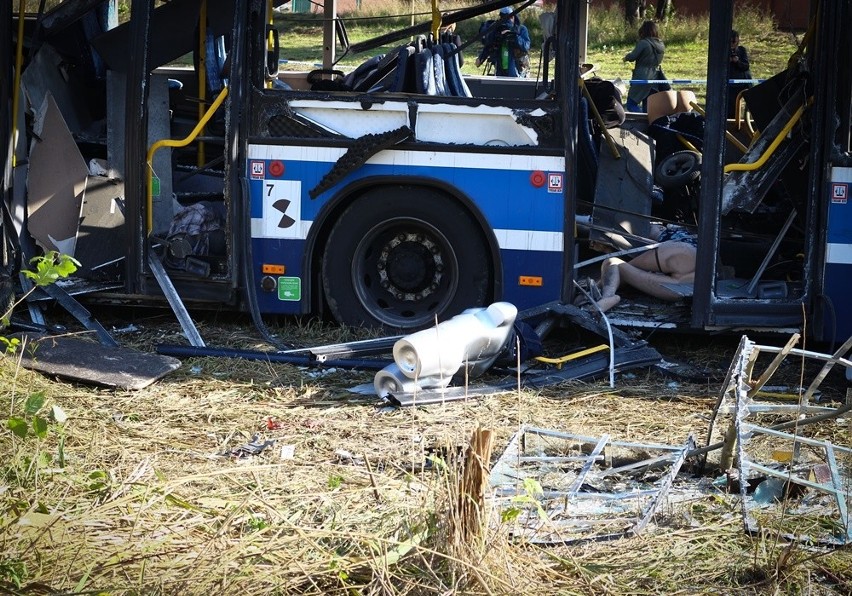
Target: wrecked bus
(405,191)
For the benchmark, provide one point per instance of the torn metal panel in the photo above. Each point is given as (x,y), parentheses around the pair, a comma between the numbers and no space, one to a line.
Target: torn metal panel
(56,182)
(85,361)
(582,498)
(745,189)
(584,368)
(100,238)
(432,123)
(49,73)
(623,191)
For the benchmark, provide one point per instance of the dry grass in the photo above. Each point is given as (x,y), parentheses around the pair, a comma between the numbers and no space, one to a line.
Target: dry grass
(144,503)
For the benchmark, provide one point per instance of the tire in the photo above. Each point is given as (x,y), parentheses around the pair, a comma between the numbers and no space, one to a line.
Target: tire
(399,257)
(678,169)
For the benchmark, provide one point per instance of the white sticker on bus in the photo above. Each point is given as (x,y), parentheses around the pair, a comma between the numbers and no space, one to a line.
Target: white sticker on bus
(282,209)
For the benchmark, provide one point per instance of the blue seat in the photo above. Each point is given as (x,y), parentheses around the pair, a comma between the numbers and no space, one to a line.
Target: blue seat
(455,81)
(358,79)
(440,76)
(402,76)
(425,72)
(216,57)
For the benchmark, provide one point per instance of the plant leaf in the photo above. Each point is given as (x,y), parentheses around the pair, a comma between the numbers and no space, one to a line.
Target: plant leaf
(34,403)
(18,426)
(40,427)
(51,267)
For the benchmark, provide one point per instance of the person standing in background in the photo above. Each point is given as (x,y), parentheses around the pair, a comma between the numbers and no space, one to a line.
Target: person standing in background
(647,56)
(739,67)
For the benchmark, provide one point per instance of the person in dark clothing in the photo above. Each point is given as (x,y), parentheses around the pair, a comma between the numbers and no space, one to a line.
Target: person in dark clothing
(647,55)
(739,67)
(506,44)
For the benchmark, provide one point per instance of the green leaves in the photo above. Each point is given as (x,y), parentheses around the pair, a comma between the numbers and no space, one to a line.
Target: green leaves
(34,403)
(32,406)
(40,427)
(10,346)
(21,429)
(50,268)
(529,499)
(13,572)
(18,426)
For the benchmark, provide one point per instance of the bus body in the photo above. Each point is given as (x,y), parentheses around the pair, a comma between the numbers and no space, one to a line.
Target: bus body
(404,201)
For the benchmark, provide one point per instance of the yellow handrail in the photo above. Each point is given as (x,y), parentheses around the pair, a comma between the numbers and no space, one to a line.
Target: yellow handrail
(748,167)
(149,203)
(728,134)
(568,357)
(436,20)
(686,143)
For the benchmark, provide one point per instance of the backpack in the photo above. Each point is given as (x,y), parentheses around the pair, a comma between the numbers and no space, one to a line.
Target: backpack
(607,99)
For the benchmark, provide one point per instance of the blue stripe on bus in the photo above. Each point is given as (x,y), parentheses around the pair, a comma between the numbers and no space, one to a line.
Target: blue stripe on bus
(502,195)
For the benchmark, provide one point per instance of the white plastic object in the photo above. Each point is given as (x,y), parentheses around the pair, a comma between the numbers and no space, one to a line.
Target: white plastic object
(391,380)
(475,337)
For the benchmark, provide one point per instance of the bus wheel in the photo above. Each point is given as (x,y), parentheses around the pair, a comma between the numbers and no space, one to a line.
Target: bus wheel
(400,257)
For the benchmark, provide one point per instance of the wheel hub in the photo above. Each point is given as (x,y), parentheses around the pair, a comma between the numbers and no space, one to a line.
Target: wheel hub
(410,266)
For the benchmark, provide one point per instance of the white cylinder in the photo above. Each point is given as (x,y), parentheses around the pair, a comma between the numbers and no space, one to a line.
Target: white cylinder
(390,380)
(475,336)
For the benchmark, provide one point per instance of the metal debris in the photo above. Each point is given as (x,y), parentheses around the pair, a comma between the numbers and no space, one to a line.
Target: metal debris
(824,487)
(592,488)
(256,446)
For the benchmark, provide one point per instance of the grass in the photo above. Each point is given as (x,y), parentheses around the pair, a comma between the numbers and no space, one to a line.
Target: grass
(131,495)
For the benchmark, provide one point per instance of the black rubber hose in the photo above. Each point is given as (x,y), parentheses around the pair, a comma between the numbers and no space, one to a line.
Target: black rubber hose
(249,281)
(180,351)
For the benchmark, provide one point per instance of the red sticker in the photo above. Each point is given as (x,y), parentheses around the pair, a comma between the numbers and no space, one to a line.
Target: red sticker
(276,168)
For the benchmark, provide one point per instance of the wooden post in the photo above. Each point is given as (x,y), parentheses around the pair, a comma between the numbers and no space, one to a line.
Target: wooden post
(472,485)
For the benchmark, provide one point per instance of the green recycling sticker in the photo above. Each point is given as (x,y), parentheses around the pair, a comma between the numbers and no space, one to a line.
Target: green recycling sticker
(290,288)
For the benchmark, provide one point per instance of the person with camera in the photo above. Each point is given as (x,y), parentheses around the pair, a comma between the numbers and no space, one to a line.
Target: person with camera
(506,45)
(738,68)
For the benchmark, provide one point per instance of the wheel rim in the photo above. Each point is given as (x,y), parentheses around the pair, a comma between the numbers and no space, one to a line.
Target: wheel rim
(682,164)
(404,272)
